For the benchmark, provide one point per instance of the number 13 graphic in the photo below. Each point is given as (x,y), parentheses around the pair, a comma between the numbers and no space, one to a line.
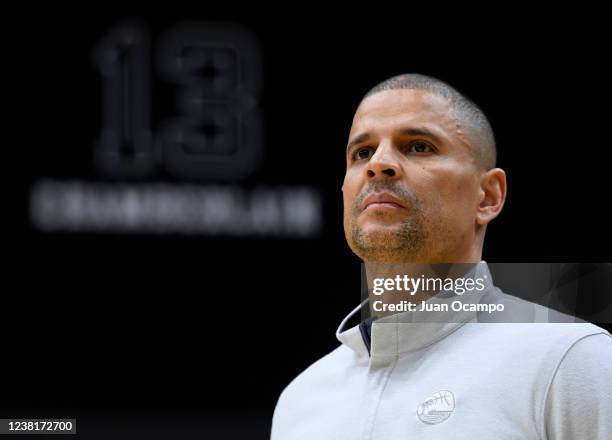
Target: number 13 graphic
(217,133)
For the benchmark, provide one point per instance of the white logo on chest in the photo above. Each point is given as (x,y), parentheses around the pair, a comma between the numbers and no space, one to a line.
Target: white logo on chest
(437,408)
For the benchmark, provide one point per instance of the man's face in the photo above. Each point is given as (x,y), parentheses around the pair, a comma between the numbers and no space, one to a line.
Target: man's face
(411,189)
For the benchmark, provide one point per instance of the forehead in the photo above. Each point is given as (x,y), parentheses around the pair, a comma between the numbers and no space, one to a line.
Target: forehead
(390,109)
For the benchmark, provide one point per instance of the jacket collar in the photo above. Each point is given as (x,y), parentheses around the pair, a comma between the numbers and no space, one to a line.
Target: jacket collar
(394,335)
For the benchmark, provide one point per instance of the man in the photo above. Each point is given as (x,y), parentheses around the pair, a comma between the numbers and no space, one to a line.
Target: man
(420,188)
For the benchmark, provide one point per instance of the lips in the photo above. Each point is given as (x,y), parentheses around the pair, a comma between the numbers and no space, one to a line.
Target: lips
(381,200)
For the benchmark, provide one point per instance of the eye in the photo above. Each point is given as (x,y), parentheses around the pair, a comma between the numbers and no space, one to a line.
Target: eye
(421,147)
(362,153)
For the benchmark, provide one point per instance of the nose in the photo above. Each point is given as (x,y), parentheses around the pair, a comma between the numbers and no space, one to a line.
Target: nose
(383,165)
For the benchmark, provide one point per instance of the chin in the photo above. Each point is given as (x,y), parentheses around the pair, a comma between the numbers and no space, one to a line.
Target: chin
(379,240)
(387,243)
(385,232)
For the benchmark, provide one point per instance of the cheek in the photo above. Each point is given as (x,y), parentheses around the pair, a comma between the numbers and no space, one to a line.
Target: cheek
(450,191)
(350,188)
(459,198)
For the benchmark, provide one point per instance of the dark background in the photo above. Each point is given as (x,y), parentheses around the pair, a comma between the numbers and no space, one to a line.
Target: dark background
(187,336)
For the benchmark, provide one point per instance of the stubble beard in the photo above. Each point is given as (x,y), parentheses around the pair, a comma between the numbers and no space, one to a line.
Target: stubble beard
(403,243)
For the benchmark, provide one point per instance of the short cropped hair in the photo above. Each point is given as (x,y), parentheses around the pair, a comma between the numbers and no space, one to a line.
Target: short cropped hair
(480,131)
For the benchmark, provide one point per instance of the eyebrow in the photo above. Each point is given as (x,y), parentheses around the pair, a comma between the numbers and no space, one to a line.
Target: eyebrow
(358,139)
(411,131)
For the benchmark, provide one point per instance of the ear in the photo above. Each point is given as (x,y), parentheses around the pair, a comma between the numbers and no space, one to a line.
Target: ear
(492,195)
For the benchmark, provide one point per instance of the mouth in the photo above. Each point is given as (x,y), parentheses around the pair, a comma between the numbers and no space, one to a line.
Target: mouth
(382,200)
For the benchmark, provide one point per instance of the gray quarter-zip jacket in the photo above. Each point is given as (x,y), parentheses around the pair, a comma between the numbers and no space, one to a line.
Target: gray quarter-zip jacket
(457,378)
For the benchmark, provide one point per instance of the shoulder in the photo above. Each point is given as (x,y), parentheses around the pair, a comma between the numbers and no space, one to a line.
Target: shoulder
(537,337)
(322,383)
(543,324)
(579,396)
(590,352)
(326,371)
(585,360)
